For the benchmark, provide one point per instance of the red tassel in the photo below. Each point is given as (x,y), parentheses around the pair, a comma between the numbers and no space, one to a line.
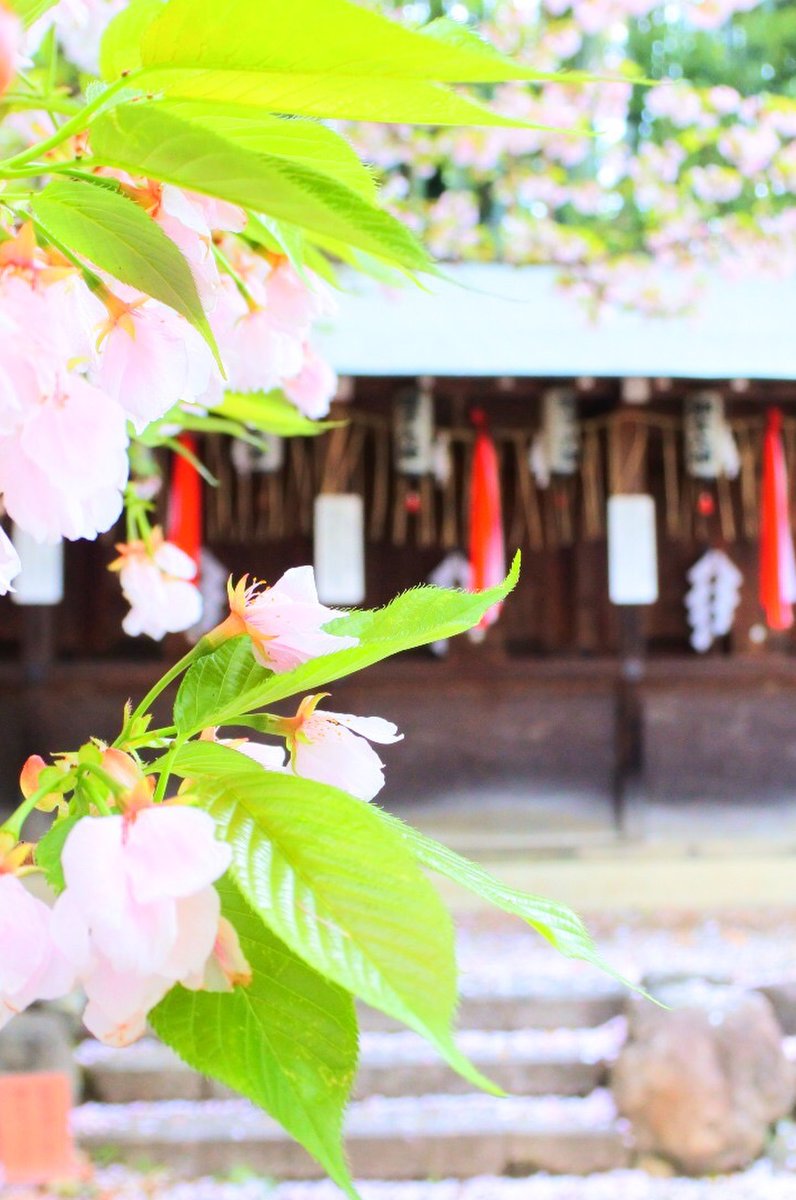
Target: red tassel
(185,503)
(777,564)
(487,550)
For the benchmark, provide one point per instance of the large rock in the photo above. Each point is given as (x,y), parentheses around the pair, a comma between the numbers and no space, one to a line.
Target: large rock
(703,1083)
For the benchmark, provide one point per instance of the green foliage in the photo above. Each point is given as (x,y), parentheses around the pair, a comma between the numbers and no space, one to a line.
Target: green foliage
(49,849)
(31,10)
(224,684)
(288,1041)
(313,862)
(152,140)
(556,923)
(347,40)
(116,234)
(270,412)
(119,50)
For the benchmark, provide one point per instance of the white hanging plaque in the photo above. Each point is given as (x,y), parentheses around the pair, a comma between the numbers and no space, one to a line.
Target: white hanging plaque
(632,550)
(560,431)
(340,549)
(705,434)
(413,432)
(41,580)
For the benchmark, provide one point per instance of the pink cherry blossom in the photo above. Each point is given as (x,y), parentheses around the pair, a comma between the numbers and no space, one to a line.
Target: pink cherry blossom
(257,354)
(150,359)
(285,622)
(31,965)
(10,45)
(63,468)
(294,304)
(156,580)
(312,389)
(10,564)
(140,909)
(334,748)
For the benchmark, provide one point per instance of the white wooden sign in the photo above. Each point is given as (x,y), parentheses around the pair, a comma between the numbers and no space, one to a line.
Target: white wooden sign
(413,432)
(340,549)
(632,550)
(41,580)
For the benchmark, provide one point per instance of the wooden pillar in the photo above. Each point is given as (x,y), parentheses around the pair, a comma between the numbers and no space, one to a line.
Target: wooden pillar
(628,476)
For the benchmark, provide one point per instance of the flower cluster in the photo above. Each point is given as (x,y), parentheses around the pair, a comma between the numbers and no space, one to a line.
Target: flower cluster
(90,365)
(139,911)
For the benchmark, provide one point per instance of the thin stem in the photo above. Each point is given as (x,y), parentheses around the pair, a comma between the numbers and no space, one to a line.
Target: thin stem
(70,128)
(238,279)
(20,815)
(35,100)
(165,774)
(153,693)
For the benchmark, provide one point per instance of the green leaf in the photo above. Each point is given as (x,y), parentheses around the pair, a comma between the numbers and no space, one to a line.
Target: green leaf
(346,40)
(291,138)
(30,10)
(116,234)
(342,97)
(288,1041)
(120,48)
(149,140)
(227,682)
(50,848)
(270,412)
(556,923)
(341,888)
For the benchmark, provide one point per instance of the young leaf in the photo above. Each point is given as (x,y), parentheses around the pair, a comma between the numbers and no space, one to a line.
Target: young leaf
(120,48)
(288,1041)
(340,887)
(116,234)
(227,683)
(270,412)
(556,923)
(291,138)
(148,139)
(339,96)
(49,849)
(347,40)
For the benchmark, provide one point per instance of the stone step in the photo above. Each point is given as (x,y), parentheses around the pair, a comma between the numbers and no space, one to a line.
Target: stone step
(438,1136)
(563,1062)
(553,1004)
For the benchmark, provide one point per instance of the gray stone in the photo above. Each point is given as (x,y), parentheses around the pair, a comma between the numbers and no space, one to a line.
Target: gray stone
(38,1040)
(782,997)
(703,1083)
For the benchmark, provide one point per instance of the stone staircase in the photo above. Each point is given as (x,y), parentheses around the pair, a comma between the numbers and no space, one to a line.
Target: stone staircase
(549,1046)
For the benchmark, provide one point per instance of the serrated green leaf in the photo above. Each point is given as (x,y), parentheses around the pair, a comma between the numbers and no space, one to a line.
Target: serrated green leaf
(120,48)
(148,139)
(227,682)
(116,234)
(340,887)
(292,138)
(347,40)
(270,412)
(404,101)
(557,923)
(49,849)
(288,1041)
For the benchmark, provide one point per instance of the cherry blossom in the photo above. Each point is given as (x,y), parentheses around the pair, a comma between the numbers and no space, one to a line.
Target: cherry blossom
(285,622)
(63,468)
(151,358)
(157,582)
(139,912)
(334,748)
(312,389)
(31,965)
(10,45)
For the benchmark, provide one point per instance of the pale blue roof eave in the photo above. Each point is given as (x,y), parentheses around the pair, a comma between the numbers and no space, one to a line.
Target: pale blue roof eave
(491,320)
